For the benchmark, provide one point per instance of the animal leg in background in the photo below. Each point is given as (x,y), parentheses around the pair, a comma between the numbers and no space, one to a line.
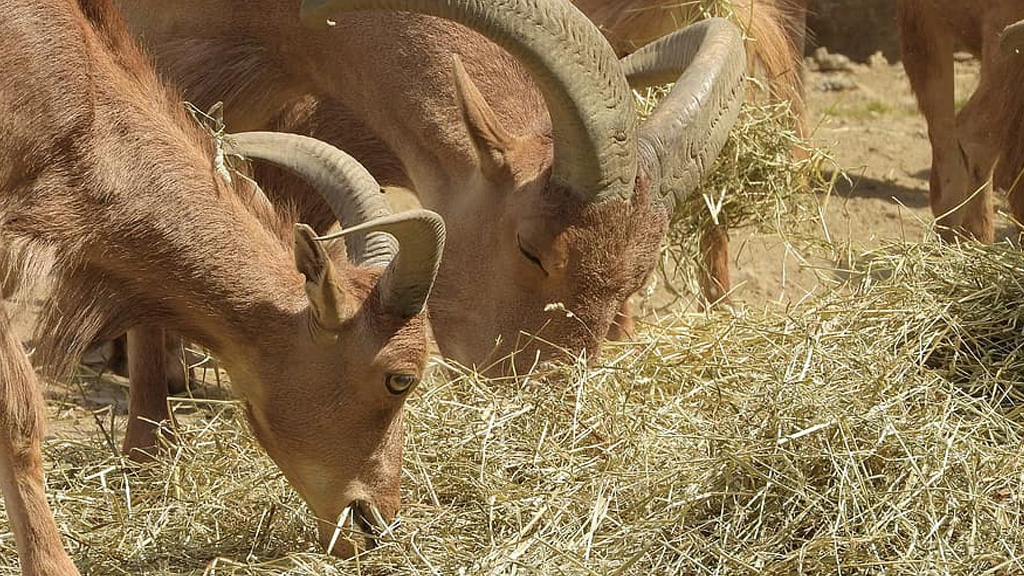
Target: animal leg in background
(113,355)
(22,424)
(928,59)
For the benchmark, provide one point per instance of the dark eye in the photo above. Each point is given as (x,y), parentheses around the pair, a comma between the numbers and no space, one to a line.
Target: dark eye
(400,383)
(529,256)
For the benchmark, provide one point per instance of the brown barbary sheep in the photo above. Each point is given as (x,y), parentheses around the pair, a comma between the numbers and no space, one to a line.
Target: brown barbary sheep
(105,177)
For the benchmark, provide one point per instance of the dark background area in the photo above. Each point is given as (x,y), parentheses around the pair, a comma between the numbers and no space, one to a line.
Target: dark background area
(830,23)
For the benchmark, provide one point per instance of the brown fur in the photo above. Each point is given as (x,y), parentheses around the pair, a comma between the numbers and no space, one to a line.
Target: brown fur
(774,28)
(105,178)
(489,300)
(983,140)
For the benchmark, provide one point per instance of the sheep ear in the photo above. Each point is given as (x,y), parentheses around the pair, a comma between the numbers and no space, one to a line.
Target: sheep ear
(328,303)
(491,140)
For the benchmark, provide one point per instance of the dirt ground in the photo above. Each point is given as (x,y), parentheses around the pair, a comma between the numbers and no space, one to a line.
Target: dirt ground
(866,116)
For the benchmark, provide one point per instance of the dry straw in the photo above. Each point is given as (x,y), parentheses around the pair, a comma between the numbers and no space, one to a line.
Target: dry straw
(871,431)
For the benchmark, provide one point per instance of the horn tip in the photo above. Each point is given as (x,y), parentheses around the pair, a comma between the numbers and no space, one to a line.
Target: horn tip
(304,229)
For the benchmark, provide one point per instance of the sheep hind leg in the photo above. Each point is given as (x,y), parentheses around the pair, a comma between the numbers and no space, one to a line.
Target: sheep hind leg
(1016,201)
(113,355)
(22,425)
(977,218)
(179,375)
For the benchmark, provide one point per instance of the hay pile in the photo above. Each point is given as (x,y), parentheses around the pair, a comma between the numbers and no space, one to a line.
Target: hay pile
(873,431)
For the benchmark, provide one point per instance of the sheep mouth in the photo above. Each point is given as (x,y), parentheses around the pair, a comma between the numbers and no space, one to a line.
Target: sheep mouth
(360,523)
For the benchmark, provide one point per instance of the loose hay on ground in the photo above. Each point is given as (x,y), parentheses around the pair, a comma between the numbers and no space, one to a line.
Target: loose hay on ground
(833,437)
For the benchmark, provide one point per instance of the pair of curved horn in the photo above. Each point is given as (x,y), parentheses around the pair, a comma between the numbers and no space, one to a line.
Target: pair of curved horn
(409,243)
(594,122)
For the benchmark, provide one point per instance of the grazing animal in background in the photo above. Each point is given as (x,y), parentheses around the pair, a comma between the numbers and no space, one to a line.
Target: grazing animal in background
(775,31)
(982,144)
(104,176)
(513,120)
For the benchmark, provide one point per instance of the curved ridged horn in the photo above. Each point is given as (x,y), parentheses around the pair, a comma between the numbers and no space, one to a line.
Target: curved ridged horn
(685,133)
(409,244)
(592,112)
(406,283)
(352,193)
(1011,40)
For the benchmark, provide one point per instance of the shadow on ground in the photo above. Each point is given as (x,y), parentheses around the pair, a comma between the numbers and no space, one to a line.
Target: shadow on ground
(888,191)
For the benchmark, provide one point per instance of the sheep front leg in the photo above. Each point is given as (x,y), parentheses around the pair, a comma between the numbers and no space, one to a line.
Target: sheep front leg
(623,326)
(22,424)
(714,274)
(147,402)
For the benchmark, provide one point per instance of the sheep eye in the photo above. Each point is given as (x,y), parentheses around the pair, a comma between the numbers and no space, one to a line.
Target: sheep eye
(529,256)
(400,383)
